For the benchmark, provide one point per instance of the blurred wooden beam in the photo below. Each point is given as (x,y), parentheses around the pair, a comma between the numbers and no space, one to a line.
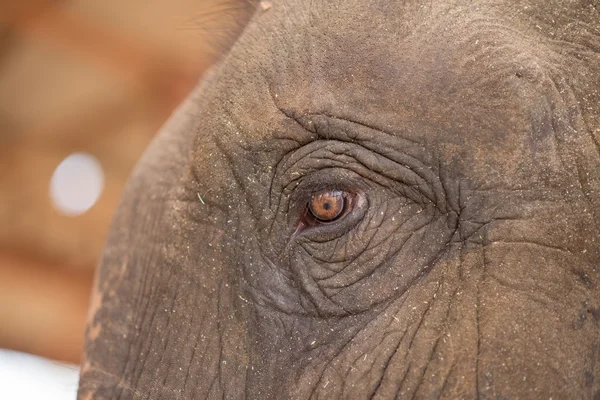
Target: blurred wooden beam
(166,76)
(42,300)
(42,307)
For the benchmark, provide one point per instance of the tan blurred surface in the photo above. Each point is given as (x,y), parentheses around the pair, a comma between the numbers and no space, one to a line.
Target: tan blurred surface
(83,76)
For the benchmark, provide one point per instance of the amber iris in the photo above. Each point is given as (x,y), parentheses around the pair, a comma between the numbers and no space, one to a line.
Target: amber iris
(327,206)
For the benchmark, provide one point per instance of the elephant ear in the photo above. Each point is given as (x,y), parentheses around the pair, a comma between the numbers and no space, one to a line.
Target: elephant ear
(219,24)
(162,316)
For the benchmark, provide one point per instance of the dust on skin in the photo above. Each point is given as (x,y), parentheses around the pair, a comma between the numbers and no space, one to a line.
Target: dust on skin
(95,302)
(97,298)
(94,329)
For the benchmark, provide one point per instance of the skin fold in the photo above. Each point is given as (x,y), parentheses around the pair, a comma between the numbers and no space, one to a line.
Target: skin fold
(465,135)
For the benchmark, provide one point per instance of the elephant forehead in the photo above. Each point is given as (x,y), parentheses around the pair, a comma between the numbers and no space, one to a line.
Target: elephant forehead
(403,64)
(427,74)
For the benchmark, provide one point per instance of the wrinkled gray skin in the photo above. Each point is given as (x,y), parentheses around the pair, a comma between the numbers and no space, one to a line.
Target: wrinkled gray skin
(468,265)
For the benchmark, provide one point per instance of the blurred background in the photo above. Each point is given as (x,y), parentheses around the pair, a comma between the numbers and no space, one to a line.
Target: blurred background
(84,86)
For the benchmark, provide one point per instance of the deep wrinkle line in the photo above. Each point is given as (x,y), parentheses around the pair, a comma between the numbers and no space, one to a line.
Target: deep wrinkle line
(340,350)
(415,166)
(389,360)
(298,119)
(267,300)
(290,115)
(352,264)
(394,253)
(530,243)
(278,175)
(387,134)
(273,303)
(140,322)
(426,268)
(361,124)
(544,299)
(323,282)
(416,186)
(418,277)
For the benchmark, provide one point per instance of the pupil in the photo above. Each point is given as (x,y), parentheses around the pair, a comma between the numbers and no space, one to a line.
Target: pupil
(327,206)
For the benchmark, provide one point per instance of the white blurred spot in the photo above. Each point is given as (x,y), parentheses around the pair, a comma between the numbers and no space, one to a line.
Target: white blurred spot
(76,184)
(27,377)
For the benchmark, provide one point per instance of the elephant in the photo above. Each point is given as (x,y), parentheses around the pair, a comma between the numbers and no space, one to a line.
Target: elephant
(367,199)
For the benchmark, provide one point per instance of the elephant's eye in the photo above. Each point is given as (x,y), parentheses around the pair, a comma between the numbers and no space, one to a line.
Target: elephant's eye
(327,206)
